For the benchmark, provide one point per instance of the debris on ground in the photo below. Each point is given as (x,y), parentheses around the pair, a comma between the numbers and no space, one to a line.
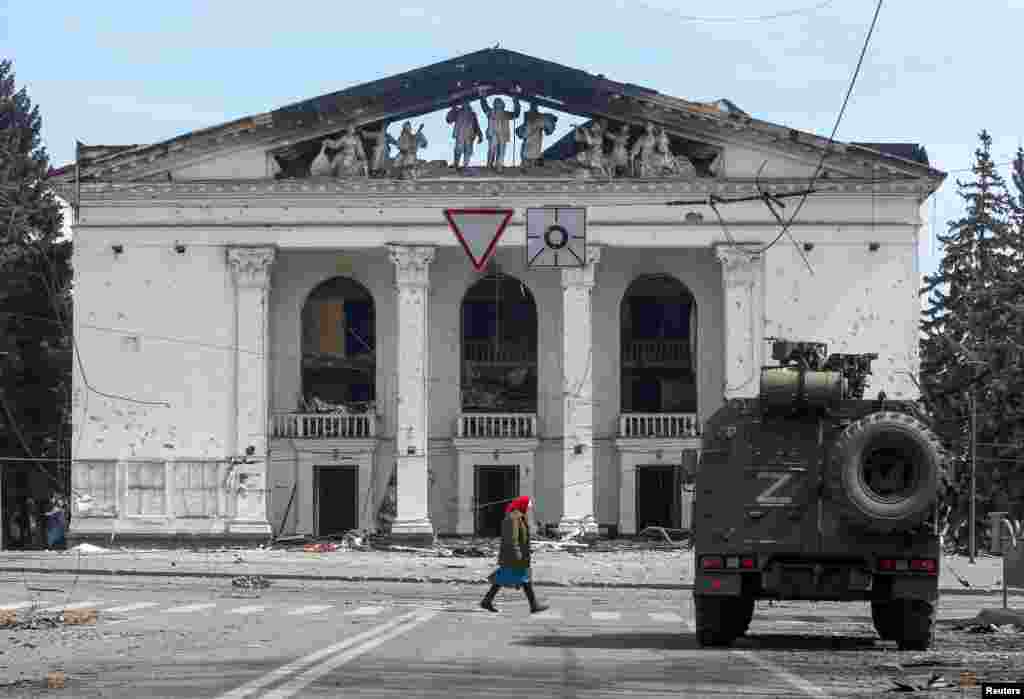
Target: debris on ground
(324,547)
(79,616)
(36,622)
(663,533)
(250,582)
(935,681)
(993,621)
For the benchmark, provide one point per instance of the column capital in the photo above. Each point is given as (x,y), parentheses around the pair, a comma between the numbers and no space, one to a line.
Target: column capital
(739,263)
(251,266)
(582,276)
(412,263)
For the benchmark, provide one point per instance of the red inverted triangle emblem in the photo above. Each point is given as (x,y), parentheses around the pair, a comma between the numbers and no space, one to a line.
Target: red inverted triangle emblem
(478,231)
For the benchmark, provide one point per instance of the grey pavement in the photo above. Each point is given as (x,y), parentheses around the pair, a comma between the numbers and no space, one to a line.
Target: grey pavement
(174,637)
(668,569)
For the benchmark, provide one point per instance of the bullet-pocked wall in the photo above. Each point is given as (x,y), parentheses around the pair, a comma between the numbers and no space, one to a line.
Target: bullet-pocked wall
(151,325)
(857,299)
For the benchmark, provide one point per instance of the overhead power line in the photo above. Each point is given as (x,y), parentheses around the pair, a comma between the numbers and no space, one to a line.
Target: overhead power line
(731,20)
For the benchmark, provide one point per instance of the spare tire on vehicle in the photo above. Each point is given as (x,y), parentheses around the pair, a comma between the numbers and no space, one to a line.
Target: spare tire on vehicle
(885,471)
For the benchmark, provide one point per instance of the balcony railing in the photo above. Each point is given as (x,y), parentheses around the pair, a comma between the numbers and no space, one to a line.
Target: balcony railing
(488,352)
(324,426)
(497,426)
(659,425)
(656,352)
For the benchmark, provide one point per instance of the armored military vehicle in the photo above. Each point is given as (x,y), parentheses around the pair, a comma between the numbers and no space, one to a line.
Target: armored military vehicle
(811,492)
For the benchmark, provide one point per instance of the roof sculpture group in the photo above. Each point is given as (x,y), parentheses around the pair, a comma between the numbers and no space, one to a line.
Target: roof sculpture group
(601,151)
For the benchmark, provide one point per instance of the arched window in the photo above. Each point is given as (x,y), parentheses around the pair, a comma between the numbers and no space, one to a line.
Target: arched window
(499,347)
(338,347)
(659,343)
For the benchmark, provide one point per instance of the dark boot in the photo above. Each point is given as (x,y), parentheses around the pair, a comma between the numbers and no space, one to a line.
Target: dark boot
(488,600)
(532,599)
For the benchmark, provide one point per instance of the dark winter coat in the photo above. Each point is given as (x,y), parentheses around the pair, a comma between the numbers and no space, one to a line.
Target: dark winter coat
(513,553)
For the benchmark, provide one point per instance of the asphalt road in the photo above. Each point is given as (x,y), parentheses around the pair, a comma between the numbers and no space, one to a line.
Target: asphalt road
(168,637)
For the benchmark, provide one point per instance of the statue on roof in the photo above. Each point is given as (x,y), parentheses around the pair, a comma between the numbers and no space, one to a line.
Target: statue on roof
(350,159)
(642,152)
(619,160)
(465,131)
(408,144)
(667,163)
(380,160)
(498,131)
(592,155)
(533,129)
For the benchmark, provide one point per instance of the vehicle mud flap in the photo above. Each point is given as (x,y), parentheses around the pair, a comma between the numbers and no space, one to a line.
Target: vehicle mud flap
(914,622)
(718,619)
(885,472)
(882,617)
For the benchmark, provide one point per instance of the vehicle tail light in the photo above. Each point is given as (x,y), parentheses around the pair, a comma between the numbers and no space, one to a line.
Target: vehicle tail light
(886,564)
(748,563)
(711,563)
(925,565)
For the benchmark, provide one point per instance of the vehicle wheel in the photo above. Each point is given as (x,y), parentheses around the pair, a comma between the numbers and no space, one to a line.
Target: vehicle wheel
(916,623)
(716,620)
(881,615)
(885,472)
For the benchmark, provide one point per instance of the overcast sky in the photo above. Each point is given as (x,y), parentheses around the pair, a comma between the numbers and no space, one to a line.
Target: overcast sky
(936,73)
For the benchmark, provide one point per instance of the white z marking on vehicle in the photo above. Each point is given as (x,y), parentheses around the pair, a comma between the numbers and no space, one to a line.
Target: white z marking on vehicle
(768,496)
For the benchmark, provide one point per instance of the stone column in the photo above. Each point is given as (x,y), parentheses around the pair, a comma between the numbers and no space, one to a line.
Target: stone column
(743,281)
(412,283)
(247,497)
(578,396)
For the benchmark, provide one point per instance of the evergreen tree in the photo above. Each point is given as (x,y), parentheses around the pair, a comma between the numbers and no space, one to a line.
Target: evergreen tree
(35,303)
(971,333)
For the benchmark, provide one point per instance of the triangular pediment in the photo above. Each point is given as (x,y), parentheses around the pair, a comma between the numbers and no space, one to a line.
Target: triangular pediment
(709,139)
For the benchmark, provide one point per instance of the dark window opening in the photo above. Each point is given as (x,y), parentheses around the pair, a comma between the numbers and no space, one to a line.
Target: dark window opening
(338,348)
(499,347)
(658,343)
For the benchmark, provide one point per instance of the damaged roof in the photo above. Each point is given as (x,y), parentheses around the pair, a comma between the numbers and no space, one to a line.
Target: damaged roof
(442,84)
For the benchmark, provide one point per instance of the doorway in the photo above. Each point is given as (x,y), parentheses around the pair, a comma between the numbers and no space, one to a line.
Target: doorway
(658,496)
(496,486)
(337,499)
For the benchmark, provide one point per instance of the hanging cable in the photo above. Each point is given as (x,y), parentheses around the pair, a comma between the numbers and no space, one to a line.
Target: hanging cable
(831,138)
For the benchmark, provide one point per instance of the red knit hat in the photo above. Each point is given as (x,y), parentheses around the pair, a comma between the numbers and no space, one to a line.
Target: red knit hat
(521,503)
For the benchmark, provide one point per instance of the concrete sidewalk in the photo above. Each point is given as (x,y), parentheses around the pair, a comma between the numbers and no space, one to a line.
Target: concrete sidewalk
(667,569)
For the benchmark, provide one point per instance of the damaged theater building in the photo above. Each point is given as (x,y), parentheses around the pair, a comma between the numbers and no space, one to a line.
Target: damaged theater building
(300,343)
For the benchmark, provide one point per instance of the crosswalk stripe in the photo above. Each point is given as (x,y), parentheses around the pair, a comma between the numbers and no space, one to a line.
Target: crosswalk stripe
(252,609)
(78,605)
(311,609)
(130,607)
(605,616)
(365,611)
(191,608)
(15,605)
(666,616)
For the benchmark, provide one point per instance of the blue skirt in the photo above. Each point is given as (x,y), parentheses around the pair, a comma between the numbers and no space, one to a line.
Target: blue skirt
(510,577)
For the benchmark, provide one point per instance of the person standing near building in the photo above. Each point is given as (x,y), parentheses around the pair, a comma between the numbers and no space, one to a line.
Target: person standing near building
(55,524)
(514,556)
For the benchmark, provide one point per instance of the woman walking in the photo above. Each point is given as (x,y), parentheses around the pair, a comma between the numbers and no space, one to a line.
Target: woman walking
(514,556)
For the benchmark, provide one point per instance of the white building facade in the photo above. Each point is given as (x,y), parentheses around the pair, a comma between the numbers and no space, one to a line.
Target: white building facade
(270,347)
